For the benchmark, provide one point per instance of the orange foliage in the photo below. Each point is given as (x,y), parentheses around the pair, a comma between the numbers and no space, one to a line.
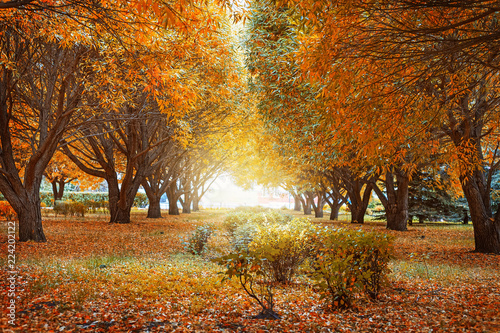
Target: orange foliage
(7,211)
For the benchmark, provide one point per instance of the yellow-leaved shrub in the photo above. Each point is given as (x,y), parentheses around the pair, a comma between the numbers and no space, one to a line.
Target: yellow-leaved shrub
(345,261)
(283,245)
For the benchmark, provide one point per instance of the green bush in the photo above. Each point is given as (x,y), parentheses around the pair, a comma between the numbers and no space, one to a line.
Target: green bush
(70,208)
(284,246)
(234,220)
(196,242)
(251,209)
(344,262)
(240,226)
(242,236)
(93,201)
(141,200)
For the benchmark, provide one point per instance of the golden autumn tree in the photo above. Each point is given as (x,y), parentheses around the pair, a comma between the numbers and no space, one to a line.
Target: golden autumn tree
(41,85)
(49,50)
(154,104)
(429,65)
(291,109)
(59,172)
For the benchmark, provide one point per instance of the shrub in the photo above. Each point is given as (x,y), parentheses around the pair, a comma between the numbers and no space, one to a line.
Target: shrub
(247,268)
(284,246)
(346,261)
(141,200)
(270,216)
(260,218)
(242,236)
(69,208)
(240,227)
(197,241)
(93,201)
(251,209)
(234,220)
(7,211)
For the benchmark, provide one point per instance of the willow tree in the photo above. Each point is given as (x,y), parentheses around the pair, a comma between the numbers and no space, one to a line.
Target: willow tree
(41,85)
(433,65)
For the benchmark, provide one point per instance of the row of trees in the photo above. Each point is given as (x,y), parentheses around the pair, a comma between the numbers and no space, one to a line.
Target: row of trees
(125,99)
(362,96)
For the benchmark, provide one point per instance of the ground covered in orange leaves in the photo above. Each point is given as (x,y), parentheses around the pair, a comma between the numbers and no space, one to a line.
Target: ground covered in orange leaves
(92,276)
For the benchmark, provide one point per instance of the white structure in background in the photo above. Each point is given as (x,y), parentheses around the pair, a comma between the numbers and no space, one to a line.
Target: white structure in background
(225,194)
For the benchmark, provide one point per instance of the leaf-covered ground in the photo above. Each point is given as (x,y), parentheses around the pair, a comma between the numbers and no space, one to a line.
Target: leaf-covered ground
(92,276)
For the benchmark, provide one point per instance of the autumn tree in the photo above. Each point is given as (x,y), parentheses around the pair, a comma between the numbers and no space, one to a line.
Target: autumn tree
(126,141)
(156,183)
(430,59)
(61,171)
(41,86)
(43,79)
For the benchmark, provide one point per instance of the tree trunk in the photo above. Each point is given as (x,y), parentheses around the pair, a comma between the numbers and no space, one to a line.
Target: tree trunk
(397,202)
(172,197)
(334,201)
(358,214)
(486,227)
(306,204)
(30,219)
(318,212)
(186,205)
(153,191)
(122,215)
(113,196)
(318,208)
(196,204)
(57,192)
(297,206)
(120,204)
(173,209)
(397,219)
(466,129)
(410,219)
(154,209)
(26,204)
(334,207)
(359,193)
(421,219)
(196,201)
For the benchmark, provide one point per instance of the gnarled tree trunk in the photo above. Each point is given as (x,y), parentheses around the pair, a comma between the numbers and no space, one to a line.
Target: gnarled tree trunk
(318,207)
(121,199)
(306,204)
(335,201)
(154,208)
(58,191)
(359,200)
(297,206)
(396,201)
(486,227)
(30,218)
(196,201)
(186,204)
(172,197)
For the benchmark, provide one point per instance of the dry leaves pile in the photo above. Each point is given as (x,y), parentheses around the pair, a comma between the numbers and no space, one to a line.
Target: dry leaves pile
(93,276)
